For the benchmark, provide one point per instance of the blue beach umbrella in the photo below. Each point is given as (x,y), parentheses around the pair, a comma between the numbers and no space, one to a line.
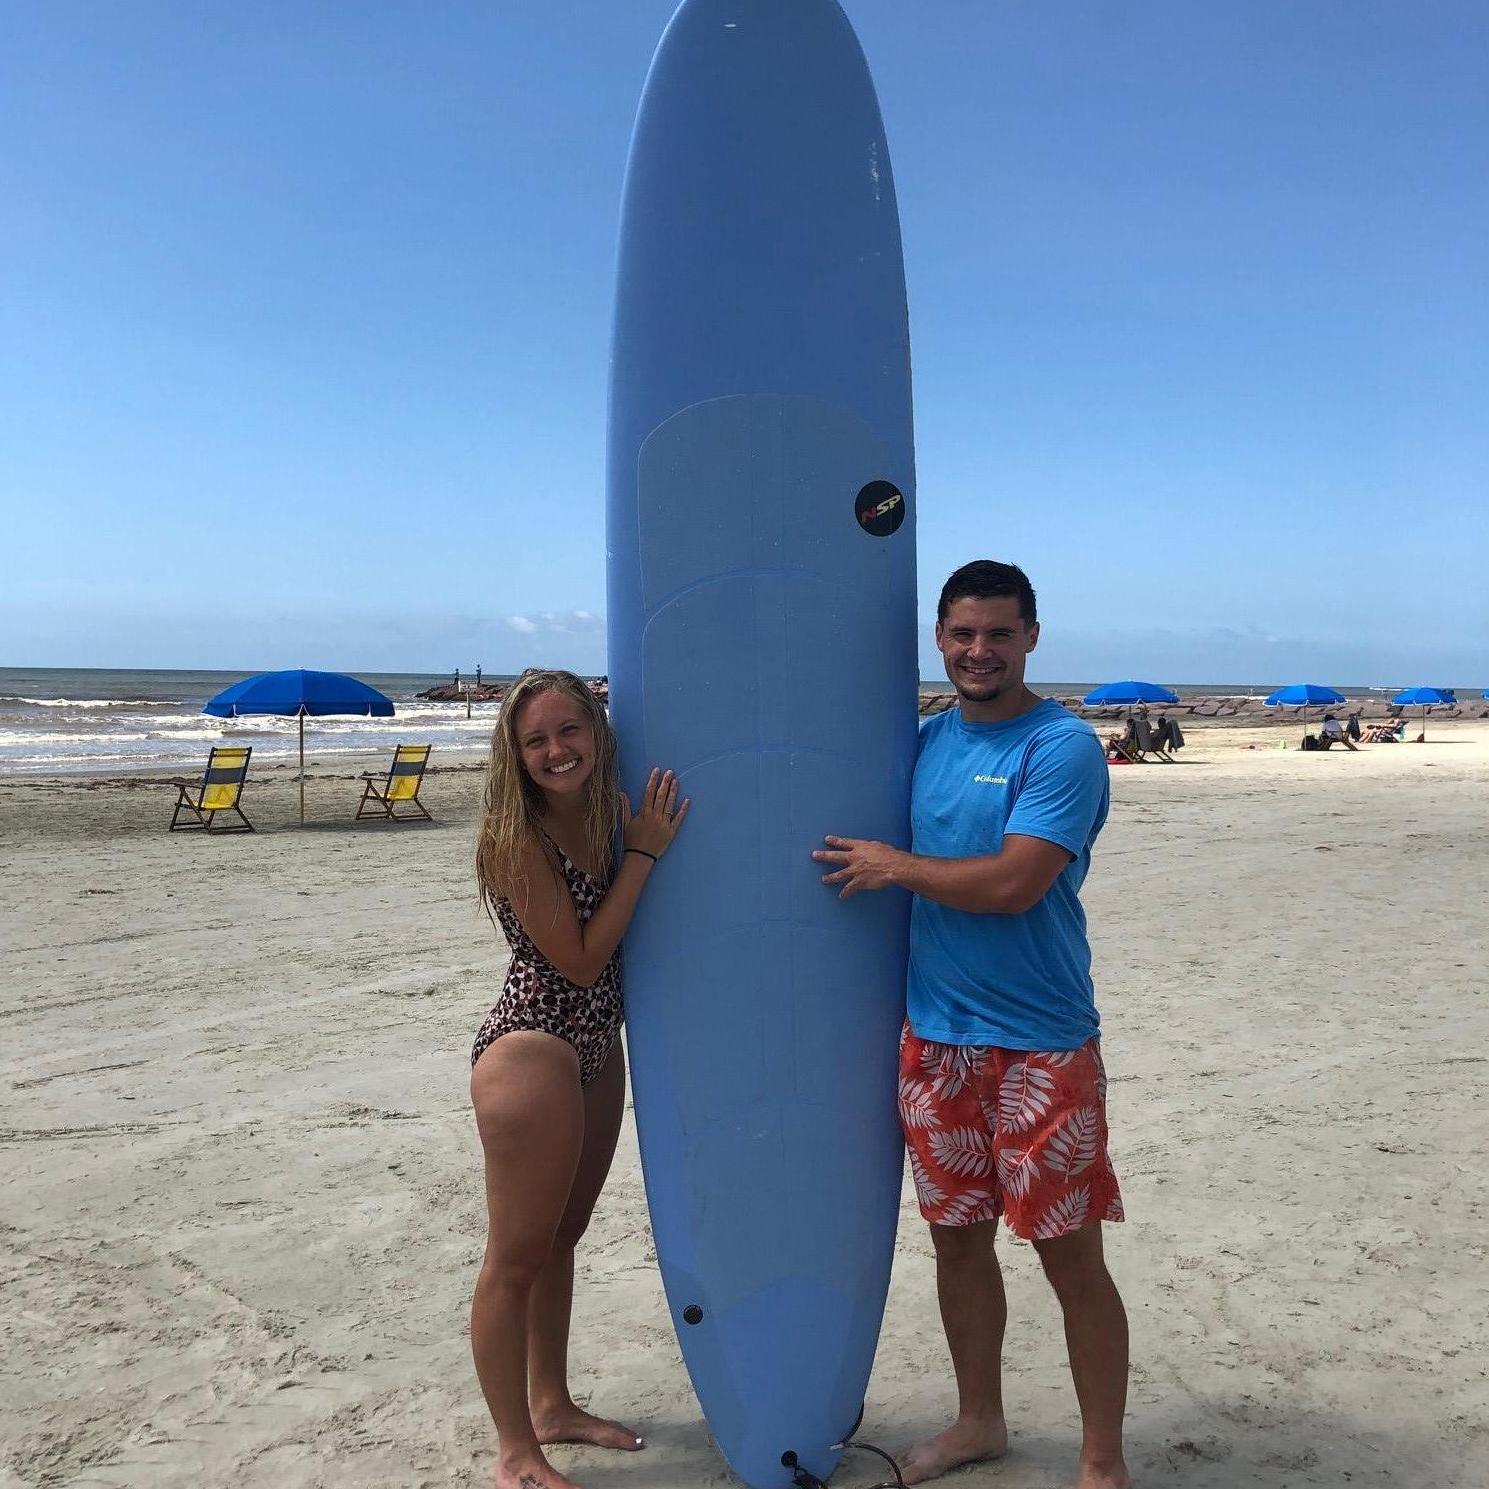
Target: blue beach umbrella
(1304,695)
(1425,698)
(296,693)
(1130,693)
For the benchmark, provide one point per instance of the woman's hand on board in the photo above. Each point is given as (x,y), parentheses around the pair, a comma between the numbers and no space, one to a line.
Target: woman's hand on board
(653,826)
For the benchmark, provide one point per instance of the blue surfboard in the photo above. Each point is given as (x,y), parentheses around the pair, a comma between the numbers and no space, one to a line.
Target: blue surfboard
(762,643)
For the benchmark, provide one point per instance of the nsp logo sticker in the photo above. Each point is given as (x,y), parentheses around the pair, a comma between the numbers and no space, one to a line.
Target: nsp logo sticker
(879,508)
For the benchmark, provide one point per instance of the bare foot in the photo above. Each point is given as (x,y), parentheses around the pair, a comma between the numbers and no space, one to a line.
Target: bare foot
(574,1424)
(530,1471)
(1105,1476)
(962,1442)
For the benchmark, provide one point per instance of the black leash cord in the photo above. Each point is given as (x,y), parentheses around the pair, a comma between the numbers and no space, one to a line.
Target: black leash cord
(803,1479)
(897,1482)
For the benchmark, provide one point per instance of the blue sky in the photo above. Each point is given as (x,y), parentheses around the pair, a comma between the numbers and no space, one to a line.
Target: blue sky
(304,310)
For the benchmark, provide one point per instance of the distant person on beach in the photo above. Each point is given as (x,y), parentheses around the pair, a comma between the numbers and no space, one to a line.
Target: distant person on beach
(1009,794)
(548,1074)
(1332,733)
(1167,734)
(1125,743)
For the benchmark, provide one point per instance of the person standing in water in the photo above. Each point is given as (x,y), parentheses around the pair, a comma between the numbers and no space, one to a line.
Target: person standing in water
(1002,1088)
(548,1073)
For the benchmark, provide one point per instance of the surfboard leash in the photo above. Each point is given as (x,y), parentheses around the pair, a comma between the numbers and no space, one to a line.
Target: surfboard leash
(849,1442)
(897,1482)
(803,1478)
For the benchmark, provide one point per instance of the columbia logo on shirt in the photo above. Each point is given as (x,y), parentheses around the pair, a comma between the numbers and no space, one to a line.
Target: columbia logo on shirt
(990,780)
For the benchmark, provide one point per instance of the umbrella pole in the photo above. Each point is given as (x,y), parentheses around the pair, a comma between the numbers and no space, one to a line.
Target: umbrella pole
(302,767)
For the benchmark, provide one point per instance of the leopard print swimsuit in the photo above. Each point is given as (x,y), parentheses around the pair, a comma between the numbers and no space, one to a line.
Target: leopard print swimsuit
(536,995)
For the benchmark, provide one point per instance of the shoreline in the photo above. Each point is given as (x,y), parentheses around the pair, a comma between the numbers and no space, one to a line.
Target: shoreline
(1261,733)
(1201,712)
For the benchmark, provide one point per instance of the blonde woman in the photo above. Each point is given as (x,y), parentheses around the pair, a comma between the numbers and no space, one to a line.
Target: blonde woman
(548,1074)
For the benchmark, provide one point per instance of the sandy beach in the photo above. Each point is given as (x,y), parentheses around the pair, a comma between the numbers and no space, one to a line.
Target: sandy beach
(242,1207)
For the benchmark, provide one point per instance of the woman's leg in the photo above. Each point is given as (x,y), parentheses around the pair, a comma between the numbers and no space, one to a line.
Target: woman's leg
(530,1115)
(556,1416)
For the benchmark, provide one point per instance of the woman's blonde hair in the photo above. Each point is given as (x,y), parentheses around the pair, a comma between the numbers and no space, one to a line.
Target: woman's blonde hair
(513,805)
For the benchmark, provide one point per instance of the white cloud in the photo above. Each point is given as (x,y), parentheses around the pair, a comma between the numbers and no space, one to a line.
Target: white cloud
(558,623)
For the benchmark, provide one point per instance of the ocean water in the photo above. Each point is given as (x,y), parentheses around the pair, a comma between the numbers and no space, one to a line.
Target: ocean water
(56,720)
(60,720)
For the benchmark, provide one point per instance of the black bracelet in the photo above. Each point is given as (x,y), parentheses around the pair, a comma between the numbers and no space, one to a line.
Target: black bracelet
(643,853)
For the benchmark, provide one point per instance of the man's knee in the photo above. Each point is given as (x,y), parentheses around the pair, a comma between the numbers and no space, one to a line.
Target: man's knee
(964,1245)
(1074,1264)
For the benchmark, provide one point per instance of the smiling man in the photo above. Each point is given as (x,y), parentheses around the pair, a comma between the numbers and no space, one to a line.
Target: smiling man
(1002,1090)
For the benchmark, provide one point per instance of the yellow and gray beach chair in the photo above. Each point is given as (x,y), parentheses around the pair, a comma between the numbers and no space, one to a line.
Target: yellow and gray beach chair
(219,790)
(396,787)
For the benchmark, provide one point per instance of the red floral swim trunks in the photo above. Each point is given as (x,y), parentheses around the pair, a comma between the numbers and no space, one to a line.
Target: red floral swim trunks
(1017,1133)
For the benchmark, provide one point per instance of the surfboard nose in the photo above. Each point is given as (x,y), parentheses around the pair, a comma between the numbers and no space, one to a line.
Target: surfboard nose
(756,15)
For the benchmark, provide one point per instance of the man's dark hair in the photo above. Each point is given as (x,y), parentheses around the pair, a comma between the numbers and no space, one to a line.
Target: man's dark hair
(984,579)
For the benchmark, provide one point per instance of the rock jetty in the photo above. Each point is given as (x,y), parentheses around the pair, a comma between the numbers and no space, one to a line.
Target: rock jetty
(449,692)
(493,692)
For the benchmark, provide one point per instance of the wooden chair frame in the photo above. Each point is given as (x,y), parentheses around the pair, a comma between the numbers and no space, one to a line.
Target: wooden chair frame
(214,777)
(378,801)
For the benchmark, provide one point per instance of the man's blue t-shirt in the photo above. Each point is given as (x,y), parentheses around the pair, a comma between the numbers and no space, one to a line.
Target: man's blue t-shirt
(1019,981)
